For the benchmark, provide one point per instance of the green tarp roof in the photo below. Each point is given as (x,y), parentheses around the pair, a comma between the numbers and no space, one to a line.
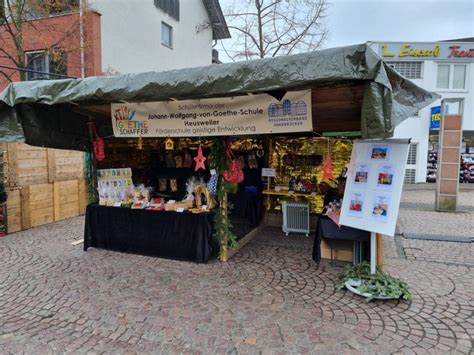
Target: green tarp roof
(45,113)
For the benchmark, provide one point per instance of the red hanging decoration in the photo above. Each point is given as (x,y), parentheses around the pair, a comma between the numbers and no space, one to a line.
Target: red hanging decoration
(328,169)
(235,174)
(98,144)
(200,159)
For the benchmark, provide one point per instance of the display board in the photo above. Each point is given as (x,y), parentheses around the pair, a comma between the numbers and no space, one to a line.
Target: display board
(374,185)
(120,179)
(225,116)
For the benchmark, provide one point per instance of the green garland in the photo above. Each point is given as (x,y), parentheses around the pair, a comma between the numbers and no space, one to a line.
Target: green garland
(377,285)
(222,225)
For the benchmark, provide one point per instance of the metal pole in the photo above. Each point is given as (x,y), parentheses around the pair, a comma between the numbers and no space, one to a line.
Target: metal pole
(373,252)
(81,36)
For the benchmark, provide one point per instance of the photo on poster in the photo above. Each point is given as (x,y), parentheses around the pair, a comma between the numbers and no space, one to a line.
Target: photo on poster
(385,176)
(379,152)
(356,203)
(361,174)
(381,208)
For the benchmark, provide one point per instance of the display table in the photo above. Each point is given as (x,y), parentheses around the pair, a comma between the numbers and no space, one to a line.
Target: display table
(172,235)
(327,229)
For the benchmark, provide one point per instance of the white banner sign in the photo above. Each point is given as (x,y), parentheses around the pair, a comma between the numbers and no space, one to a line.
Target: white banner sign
(240,115)
(374,185)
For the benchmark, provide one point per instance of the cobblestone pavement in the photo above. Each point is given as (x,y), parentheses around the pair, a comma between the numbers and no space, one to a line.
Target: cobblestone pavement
(417,215)
(270,298)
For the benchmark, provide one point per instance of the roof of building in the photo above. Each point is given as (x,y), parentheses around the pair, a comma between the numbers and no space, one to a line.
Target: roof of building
(54,113)
(218,24)
(465,39)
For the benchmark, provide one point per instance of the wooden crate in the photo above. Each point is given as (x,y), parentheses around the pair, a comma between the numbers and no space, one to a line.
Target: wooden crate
(28,165)
(341,250)
(13,210)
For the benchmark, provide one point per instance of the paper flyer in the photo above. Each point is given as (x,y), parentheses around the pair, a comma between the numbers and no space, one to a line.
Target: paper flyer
(379,152)
(356,204)
(361,175)
(385,176)
(381,208)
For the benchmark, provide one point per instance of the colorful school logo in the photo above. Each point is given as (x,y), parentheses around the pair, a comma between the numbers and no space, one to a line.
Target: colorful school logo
(287,108)
(124,113)
(126,121)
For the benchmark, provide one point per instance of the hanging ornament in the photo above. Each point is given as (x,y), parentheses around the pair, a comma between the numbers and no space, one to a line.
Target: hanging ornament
(169,144)
(328,169)
(98,144)
(200,159)
(140,143)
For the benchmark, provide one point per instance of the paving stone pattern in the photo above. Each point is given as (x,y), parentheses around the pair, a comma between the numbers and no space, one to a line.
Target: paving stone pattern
(271,298)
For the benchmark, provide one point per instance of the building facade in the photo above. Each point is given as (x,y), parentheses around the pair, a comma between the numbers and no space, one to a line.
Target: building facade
(52,44)
(157,35)
(446,68)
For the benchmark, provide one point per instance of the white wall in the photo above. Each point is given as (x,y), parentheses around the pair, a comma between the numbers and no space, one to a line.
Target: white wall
(131,36)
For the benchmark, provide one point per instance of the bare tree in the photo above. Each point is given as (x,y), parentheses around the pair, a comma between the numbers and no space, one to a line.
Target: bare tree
(269,28)
(17,20)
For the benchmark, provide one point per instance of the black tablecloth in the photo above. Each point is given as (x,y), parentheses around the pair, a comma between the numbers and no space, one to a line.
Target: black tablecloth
(247,205)
(327,229)
(172,235)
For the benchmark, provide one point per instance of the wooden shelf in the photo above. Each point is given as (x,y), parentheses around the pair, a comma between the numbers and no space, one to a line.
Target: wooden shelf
(286,193)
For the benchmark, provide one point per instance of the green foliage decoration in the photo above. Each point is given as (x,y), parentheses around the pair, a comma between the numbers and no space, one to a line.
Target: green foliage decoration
(378,285)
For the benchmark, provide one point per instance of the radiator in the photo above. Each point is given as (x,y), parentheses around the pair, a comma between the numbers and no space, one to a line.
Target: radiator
(295,217)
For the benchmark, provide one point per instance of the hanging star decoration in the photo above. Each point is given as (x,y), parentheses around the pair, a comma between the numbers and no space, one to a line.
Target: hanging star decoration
(328,169)
(200,159)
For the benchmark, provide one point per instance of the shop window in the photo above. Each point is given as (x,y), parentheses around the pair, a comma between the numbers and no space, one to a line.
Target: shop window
(44,63)
(451,76)
(171,7)
(166,35)
(410,70)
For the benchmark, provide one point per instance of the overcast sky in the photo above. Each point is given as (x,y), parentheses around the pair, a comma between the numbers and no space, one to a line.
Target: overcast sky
(359,21)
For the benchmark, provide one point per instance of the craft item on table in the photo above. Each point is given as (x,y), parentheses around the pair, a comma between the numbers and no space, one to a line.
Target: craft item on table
(162,185)
(188,160)
(173,185)
(140,143)
(333,211)
(169,144)
(241,161)
(291,185)
(200,191)
(234,174)
(200,159)
(327,169)
(212,184)
(178,160)
(252,161)
(98,143)
(169,160)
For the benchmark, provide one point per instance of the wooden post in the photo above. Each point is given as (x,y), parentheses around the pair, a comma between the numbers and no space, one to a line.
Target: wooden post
(25,208)
(223,210)
(51,153)
(94,163)
(56,200)
(380,251)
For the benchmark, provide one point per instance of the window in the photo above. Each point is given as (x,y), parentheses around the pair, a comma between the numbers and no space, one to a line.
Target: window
(166,35)
(410,70)
(451,76)
(171,7)
(443,77)
(43,63)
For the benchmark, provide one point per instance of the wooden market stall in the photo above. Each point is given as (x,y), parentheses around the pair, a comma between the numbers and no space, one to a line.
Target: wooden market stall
(43,185)
(351,90)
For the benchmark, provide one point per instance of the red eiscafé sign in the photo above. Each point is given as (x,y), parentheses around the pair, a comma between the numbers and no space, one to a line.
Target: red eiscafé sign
(458,53)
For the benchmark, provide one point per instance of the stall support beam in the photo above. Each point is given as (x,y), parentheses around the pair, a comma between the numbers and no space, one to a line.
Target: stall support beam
(380,251)
(373,252)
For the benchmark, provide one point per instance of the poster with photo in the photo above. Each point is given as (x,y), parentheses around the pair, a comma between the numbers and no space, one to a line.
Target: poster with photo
(380,152)
(375,180)
(385,176)
(361,175)
(356,204)
(380,208)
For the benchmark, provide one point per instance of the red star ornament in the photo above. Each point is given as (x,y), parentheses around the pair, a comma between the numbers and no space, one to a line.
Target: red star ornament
(200,159)
(328,169)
